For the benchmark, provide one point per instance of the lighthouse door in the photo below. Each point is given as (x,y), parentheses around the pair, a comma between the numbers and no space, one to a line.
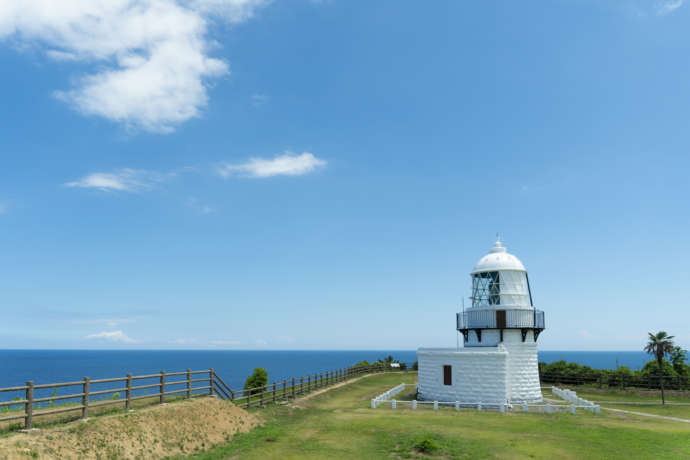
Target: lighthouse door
(500,319)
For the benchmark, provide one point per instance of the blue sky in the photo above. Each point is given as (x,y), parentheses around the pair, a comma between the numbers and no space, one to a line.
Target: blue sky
(247,174)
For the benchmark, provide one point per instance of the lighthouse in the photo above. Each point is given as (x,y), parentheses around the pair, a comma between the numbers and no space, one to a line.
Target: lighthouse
(498,363)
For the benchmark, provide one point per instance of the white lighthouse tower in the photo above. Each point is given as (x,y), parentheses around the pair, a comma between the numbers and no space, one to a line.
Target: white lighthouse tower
(498,363)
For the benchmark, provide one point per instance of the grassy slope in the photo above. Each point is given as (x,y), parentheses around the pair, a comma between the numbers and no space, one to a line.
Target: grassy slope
(339,424)
(600,397)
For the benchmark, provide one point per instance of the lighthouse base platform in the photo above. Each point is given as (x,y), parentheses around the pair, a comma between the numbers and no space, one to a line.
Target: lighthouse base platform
(505,373)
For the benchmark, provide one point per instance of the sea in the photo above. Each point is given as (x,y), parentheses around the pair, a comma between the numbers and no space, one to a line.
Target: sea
(233,366)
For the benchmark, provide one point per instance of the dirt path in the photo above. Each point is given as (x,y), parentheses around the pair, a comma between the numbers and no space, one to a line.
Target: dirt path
(299,402)
(643,414)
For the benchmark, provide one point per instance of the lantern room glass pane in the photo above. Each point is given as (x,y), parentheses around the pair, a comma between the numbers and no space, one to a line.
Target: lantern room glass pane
(486,289)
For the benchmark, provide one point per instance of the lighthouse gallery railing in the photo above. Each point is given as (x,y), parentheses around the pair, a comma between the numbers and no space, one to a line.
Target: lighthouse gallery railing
(492,319)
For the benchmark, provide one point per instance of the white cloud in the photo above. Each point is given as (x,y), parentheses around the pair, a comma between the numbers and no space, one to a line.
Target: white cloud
(288,164)
(111,336)
(669,6)
(123,180)
(150,58)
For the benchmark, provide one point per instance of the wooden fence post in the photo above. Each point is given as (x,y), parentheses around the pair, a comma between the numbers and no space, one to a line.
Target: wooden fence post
(85,398)
(162,388)
(249,398)
(274,393)
(308,383)
(29,404)
(301,385)
(210,381)
(285,390)
(261,397)
(128,393)
(189,383)
(293,388)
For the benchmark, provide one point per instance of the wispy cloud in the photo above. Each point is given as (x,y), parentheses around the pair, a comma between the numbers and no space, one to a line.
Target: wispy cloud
(183,341)
(111,336)
(259,99)
(288,164)
(668,6)
(200,207)
(109,322)
(225,343)
(150,62)
(123,180)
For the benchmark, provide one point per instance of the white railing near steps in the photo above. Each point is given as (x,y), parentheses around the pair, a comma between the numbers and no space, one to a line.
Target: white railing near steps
(573,398)
(383,397)
(503,407)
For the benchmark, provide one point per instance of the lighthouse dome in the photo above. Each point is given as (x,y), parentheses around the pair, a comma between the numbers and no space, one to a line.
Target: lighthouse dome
(498,259)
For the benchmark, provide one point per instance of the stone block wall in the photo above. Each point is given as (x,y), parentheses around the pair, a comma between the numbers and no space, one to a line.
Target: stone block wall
(523,372)
(478,375)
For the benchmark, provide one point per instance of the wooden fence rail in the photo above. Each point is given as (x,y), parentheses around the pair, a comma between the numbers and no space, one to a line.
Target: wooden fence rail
(650,382)
(212,385)
(84,394)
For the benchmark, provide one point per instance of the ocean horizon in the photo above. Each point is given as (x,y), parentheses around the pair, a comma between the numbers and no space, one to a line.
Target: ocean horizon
(48,366)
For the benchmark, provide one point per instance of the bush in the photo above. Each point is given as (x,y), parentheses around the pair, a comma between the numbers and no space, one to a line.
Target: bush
(426,446)
(415,366)
(652,368)
(258,379)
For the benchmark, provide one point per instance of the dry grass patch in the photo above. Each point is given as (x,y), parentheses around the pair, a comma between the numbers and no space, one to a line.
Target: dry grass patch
(156,432)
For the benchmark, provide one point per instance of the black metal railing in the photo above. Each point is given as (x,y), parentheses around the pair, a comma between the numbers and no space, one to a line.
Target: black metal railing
(501,319)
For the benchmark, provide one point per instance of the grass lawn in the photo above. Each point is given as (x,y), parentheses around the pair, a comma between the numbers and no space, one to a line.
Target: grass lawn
(340,424)
(602,396)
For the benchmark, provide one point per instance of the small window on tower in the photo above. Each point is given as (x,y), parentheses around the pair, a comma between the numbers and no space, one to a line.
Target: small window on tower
(447,375)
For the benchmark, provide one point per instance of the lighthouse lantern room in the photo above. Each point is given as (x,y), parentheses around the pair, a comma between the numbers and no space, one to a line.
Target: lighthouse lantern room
(498,363)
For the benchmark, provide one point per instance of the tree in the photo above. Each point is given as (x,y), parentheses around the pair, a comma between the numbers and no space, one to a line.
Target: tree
(652,368)
(660,345)
(678,357)
(258,379)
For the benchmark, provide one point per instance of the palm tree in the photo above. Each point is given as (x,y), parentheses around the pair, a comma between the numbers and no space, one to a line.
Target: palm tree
(660,345)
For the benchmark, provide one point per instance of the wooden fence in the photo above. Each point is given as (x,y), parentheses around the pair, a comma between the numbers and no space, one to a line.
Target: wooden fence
(209,383)
(650,382)
(292,388)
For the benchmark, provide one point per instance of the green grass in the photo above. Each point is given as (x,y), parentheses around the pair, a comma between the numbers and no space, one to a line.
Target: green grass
(340,424)
(646,397)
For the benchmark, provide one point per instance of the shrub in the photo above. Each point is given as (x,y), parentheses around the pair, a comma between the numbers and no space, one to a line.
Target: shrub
(426,446)
(652,368)
(258,379)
